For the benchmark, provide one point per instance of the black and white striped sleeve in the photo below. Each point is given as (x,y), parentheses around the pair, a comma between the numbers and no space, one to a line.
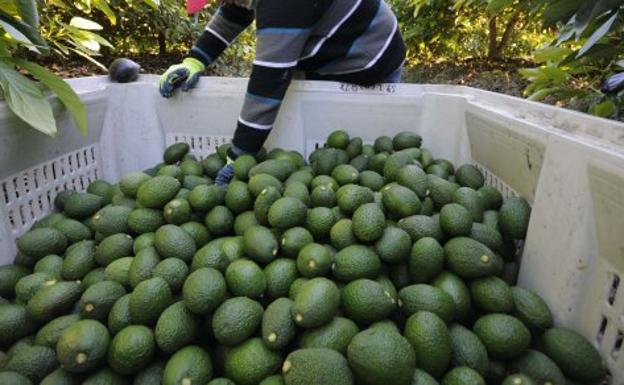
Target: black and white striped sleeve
(221,31)
(283,30)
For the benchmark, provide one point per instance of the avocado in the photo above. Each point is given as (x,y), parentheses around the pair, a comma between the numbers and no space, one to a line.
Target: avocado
(505,337)
(148,300)
(468,350)
(356,261)
(577,358)
(492,295)
(53,300)
(531,309)
(314,260)
(336,335)
(190,365)
(426,260)
(316,303)
(236,319)
(379,357)
(513,217)
(82,346)
(462,375)
(204,290)
(431,341)
(119,316)
(469,258)
(316,366)
(278,326)
(97,300)
(50,333)
(366,301)
(245,278)
(79,260)
(538,366)
(34,362)
(40,242)
(176,327)
(368,222)
(173,242)
(251,362)
(426,297)
(421,226)
(280,274)
(132,349)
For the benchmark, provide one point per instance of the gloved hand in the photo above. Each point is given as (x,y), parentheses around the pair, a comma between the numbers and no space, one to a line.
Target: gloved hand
(224,176)
(184,75)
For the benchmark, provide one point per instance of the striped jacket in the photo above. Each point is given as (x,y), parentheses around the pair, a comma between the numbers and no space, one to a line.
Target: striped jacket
(355,41)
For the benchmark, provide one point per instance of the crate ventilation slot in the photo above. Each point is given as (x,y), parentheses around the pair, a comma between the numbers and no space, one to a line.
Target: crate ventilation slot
(602,330)
(617,346)
(615,284)
(29,195)
(201,145)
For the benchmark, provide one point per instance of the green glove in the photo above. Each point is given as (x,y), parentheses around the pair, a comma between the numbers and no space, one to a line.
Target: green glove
(184,75)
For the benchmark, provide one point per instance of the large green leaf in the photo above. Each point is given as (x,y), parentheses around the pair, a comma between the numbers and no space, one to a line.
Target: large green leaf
(26,100)
(86,24)
(562,10)
(28,12)
(102,5)
(552,54)
(31,34)
(598,34)
(63,91)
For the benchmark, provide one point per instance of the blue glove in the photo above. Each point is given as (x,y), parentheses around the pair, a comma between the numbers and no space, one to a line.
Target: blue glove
(225,175)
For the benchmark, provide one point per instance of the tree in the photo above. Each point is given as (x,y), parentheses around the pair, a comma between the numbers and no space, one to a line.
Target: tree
(504,16)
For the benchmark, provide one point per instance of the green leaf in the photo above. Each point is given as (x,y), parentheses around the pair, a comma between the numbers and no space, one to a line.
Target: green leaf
(63,91)
(23,30)
(603,51)
(28,12)
(543,93)
(561,10)
(8,7)
(26,100)
(82,23)
(547,74)
(497,5)
(604,110)
(102,5)
(153,3)
(88,57)
(552,54)
(598,34)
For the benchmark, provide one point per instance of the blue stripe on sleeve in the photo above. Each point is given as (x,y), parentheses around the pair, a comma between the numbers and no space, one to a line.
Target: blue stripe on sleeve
(263,99)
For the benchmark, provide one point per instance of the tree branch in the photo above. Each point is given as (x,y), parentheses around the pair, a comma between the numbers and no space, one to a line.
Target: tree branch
(509,30)
(493,39)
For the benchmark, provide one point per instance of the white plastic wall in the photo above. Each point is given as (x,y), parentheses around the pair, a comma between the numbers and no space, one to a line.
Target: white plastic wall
(570,166)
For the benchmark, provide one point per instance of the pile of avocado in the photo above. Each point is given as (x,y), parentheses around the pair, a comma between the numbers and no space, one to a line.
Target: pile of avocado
(371,264)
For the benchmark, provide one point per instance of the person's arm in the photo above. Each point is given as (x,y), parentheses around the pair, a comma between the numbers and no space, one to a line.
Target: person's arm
(283,30)
(222,30)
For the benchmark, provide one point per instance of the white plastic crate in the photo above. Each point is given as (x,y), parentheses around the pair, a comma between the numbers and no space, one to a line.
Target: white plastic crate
(570,166)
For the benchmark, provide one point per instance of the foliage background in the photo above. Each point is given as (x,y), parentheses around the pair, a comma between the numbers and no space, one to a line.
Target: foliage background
(555,51)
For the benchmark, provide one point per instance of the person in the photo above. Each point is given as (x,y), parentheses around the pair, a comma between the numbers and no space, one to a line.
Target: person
(352,41)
